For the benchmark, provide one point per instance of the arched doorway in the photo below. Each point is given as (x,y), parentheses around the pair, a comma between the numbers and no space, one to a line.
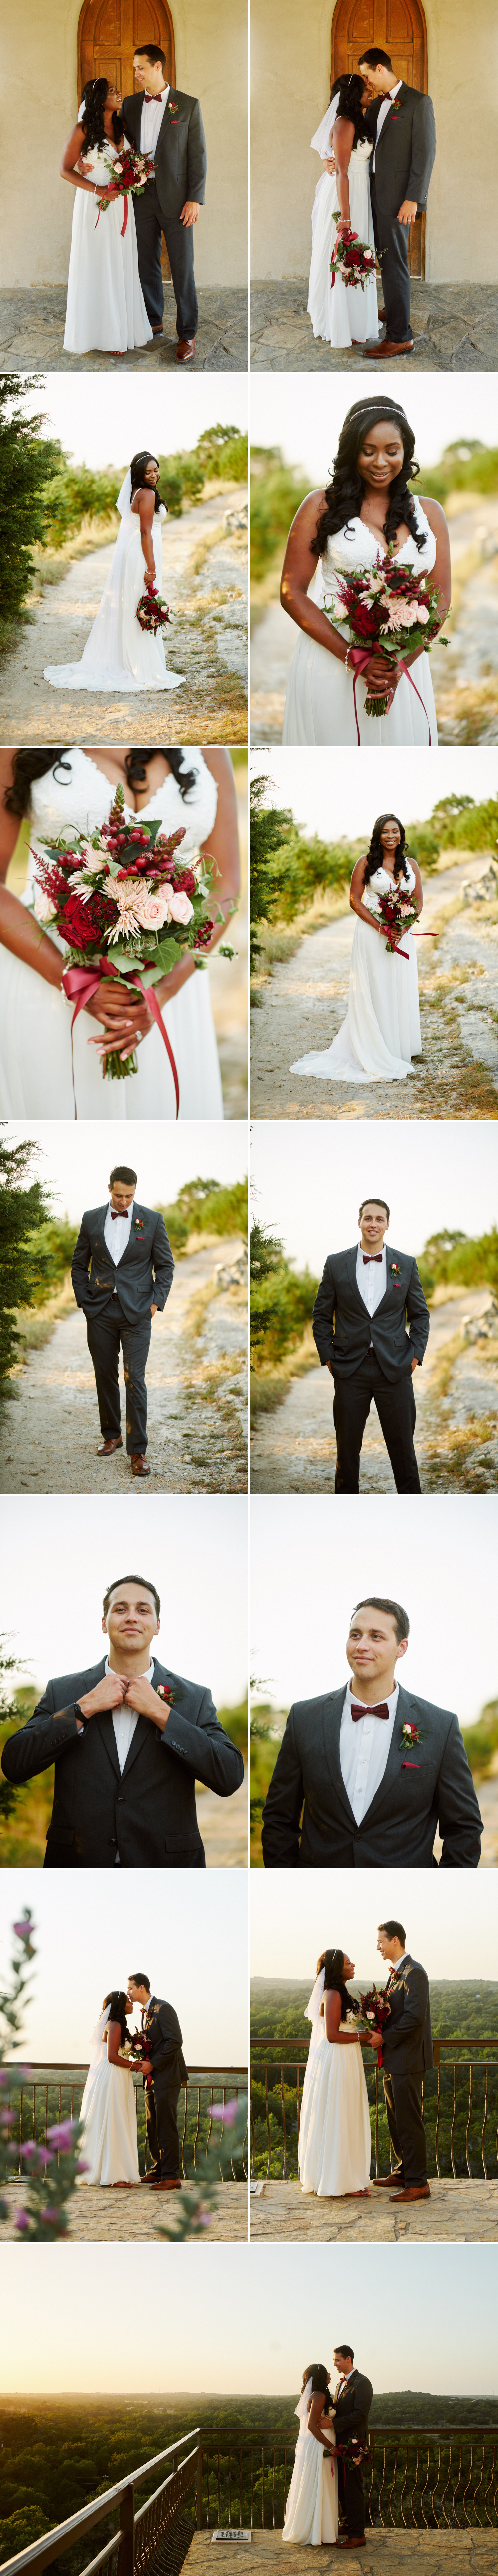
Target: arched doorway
(110,30)
(398,26)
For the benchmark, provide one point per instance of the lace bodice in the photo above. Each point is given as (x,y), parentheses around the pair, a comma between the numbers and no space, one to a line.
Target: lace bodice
(355,545)
(381,883)
(79,798)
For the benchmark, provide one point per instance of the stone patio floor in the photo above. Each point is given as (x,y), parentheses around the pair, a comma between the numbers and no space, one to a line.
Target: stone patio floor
(438,2553)
(133,2217)
(32,335)
(455,328)
(462,2212)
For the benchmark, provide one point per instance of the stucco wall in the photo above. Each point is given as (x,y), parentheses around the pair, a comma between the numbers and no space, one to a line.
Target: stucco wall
(290,73)
(38,109)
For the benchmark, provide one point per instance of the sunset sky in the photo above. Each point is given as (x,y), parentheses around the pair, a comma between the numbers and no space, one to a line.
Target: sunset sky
(294,1915)
(439,1561)
(189,1933)
(58,1557)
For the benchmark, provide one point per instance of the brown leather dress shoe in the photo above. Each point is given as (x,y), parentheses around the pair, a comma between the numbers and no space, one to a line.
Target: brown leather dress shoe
(152,2176)
(139,1465)
(106,1447)
(170,2183)
(185,351)
(390,348)
(384,2182)
(414,2191)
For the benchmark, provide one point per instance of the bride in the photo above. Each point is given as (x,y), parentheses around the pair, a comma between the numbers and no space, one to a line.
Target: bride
(118,653)
(65,791)
(381,1031)
(334,2136)
(339,313)
(105,305)
(365,507)
(312,2509)
(108,2110)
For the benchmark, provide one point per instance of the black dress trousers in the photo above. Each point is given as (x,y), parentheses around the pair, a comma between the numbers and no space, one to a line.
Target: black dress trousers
(106,1333)
(161,2103)
(403,2099)
(351,2495)
(391,243)
(395,1402)
(179,239)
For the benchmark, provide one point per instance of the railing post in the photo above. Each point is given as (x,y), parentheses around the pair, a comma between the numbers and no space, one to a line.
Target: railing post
(198,2483)
(126,2558)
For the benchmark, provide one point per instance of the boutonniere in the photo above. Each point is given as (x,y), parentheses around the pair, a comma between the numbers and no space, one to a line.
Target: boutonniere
(163,1693)
(395,1270)
(409,1737)
(139,1225)
(172,107)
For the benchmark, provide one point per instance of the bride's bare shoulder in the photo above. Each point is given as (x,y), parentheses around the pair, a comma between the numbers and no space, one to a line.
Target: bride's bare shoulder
(309,512)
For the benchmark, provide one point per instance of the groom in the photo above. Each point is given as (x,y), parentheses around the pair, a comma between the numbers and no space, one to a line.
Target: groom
(129,1739)
(352,2401)
(401,122)
(167,123)
(406,2052)
(377,1769)
(121,1270)
(359,1324)
(164,2071)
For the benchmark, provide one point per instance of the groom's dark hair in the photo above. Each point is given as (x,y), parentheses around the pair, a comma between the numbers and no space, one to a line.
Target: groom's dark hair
(153,54)
(131,1578)
(395,1931)
(140,1979)
(371,1202)
(345,2348)
(401,1619)
(372,55)
(122,1172)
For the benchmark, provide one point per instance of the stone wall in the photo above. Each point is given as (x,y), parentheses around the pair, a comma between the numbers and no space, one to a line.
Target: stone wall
(39,107)
(290,69)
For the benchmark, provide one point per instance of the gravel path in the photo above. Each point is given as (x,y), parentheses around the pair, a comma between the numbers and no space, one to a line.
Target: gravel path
(293,1449)
(206,642)
(304,1003)
(197,1396)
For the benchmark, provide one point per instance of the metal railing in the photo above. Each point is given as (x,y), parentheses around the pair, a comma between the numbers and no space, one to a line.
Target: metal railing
(132,2549)
(286,2065)
(415,2478)
(60,2089)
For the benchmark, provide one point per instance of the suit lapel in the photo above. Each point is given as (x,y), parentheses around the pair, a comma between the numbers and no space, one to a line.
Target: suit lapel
(133,1237)
(387,119)
(143,1725)
(396,1756)
(331,1745)
(390,1283)
(351,1260)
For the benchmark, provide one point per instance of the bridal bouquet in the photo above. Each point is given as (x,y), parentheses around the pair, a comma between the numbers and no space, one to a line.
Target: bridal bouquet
(351,259)
(152,612)
(394,920)
(124,906)
(127,177)
(391,608)
(375,2010)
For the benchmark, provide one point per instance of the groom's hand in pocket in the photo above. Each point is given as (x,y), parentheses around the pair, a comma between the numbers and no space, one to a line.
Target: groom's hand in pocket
(415,1363)
(145,1701)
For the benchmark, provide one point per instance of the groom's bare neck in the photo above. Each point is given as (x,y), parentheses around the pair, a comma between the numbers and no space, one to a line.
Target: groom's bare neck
(130,1663)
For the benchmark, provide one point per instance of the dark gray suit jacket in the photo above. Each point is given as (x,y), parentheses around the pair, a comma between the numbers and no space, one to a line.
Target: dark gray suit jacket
(141,1278)
(425,1787)
(406,151)
(407,2036)
(164,2041)
(180,156)
(353,2407)
(343,1328)
(146,1813)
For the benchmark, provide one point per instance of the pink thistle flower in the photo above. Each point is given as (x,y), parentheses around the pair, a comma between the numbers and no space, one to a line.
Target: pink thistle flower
(63,2133)
(21,2222)
(226,2111)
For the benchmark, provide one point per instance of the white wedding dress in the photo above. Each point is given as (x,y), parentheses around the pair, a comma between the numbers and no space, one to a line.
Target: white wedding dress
(118,653)
(319,706)
(109,2115)
(334,2136)
(340,313)
(381,1032)
(312,2509)
(105,305)
(35,1019)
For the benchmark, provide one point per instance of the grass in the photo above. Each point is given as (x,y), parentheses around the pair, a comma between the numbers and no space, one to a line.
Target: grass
(269,1386)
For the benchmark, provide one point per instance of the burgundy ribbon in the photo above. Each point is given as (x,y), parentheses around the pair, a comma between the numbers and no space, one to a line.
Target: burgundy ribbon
(83,982)
(114,192)
(360,660)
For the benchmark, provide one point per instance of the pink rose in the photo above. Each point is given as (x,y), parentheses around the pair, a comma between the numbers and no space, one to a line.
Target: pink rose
(151,909)
(179,906)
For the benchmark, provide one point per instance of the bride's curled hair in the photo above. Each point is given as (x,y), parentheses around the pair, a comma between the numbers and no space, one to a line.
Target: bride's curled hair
(138,465)
(345,493)
(30,765)
(375,855)
(333,1963)
(319,2376)
(115,2003)
(349,103)
(92,122)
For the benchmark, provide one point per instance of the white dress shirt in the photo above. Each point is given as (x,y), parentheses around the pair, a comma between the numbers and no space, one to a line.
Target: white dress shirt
(124,1722)
(151,119)
(384,111)
(371,1279)
(117,1234)
(364,1744)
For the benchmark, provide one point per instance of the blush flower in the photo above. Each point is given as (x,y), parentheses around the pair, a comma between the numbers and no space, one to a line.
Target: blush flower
(44,909)
(179,906)
(151,909)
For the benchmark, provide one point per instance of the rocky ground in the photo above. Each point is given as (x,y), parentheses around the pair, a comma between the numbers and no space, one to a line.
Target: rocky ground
(464,2552)
(205,583)
(196,1389)
(304,1001)
(32,335)
(465,2213)
(105,2217)
(293,1449)
(455,327)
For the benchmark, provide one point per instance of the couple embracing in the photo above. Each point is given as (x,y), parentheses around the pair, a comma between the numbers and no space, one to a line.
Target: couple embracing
(334,2137)
(378,144)
(108,2111)
(332,2442)
(115,292)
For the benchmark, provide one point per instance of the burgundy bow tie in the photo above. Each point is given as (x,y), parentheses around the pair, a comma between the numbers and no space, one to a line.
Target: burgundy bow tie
(152,97)
(115,1212)
(372,1256)
(357,1711)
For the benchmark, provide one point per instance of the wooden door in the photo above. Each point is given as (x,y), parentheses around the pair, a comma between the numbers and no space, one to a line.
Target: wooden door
(398,26)
(108,34)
